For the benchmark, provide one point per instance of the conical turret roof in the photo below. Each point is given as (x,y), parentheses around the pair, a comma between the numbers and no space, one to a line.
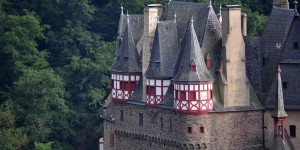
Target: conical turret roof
(279,105)
(192,55)
(127,58)
(164,50)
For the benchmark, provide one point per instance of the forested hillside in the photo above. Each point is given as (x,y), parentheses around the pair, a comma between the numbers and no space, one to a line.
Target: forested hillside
(55,57)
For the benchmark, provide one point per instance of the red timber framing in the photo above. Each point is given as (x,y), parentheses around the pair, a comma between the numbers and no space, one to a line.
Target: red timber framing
(193,99)
(156,90)
(123,86)
(279,123)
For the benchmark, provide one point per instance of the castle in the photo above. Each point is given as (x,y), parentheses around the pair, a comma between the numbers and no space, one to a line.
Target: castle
(185,77)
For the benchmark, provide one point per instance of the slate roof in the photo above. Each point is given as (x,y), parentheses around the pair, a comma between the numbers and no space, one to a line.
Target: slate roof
(253,59)
(164,50)
(192,55)
(127,58)
(276,31)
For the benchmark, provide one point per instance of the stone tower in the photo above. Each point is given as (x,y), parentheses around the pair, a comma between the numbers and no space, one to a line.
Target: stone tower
(234,83)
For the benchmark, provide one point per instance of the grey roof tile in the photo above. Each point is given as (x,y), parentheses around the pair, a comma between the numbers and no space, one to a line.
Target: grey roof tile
(276,31)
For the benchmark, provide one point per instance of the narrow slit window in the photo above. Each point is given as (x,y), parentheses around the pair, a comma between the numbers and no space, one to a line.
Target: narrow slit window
(263,61)
(141,121)
(121,115)
(171,124)
(292,131)
(161,123)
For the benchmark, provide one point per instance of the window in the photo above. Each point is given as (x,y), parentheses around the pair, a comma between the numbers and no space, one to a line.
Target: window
(296,45)
(171,124)
(263,61)
(141,119)
(292,131)
(121,115)
(193,67)
(182,95)
(161,123)
(192,95)
(201,129)
(284,85)
(189,129)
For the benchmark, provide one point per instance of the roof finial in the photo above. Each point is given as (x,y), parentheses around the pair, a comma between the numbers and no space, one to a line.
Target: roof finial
(127,17)
(169,1)
(175,17)
(122,9)
(295,9)
(157,19)
(220,11)
(210,4)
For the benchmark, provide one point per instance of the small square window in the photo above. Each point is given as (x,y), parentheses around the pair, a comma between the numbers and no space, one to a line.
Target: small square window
(189,129)
(292,131)
(296,45)
(201,129)
(284,85)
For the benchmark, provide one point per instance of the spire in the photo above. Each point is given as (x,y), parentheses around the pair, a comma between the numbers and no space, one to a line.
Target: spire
(169,1)
(175,17)
(220,9)
(220,14)
(295,8)
(279,105)
(122,13)
(192,60)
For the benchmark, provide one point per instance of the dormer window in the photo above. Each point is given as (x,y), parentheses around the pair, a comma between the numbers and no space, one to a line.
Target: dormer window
(284,85)
(296,45)
(193,67)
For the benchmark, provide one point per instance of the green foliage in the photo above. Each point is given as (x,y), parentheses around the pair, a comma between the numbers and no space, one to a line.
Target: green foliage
(11,137)
(43,146)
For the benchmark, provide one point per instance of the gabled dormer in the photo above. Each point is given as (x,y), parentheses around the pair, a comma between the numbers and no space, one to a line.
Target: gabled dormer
(126,70)
(193,83)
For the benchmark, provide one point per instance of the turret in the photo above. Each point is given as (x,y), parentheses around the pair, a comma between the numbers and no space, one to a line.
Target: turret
(193,84)
(151,11)
(279,113)
(126,70)
(161,64)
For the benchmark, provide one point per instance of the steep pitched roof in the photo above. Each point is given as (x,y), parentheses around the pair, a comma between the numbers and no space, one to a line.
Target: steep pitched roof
(279,105)
(184,11)
(127,58)
(276,31)
(192,55)
(164,50)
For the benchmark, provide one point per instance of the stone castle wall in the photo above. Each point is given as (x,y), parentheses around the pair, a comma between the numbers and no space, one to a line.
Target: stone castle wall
(165,129)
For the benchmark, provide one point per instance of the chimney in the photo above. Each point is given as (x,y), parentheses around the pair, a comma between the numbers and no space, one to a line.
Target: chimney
(150,17)
(244,24)
(234,82)
(281,3)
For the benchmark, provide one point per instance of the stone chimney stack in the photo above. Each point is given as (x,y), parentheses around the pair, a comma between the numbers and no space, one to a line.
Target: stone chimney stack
(151,12)
(281,3)
(234,82)
(244,24)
